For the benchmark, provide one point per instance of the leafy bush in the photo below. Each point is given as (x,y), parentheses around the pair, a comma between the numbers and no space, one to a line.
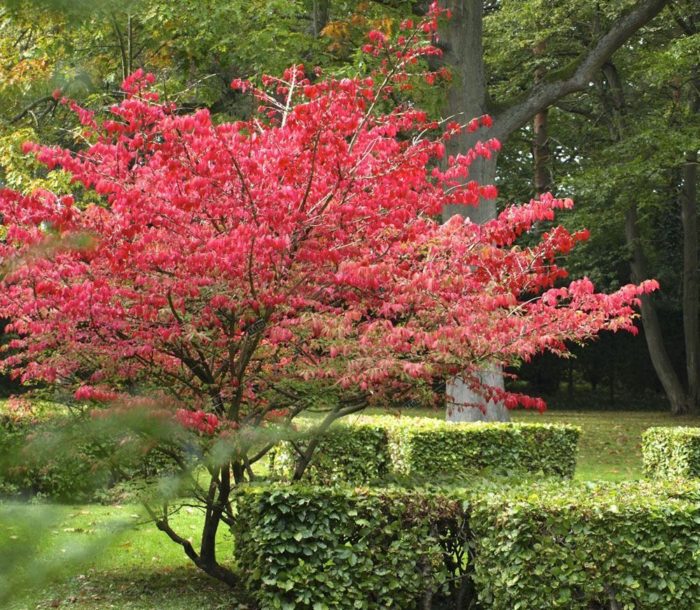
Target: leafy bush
(320,548)
(351,453)
(429,448)
(64,458)
(627,546)
(672,452)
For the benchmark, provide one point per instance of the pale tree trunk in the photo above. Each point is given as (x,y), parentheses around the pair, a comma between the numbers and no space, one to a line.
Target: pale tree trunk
(462,46)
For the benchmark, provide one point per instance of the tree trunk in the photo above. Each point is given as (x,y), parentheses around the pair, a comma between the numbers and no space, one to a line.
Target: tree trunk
(691,328)
(650,321)
(540,144)
(691,281)
(319,16)
(461,40)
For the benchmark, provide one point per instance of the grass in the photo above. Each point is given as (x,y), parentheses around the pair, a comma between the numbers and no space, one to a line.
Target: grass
(141,569)
(610,447)
(137,567)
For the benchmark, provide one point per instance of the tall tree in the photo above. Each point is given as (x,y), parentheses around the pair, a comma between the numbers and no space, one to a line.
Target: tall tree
(462,41)
(626,147)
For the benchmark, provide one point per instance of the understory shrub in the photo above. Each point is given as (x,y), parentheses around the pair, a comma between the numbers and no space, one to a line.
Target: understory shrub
(62,458)
(588,546)
(327,548)
(671,452)
(349,453)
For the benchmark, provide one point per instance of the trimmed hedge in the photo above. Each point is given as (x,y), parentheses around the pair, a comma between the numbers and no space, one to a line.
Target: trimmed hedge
(672,452)
(346,453)
(627,546)
(330,548)
(429,448)
(572,546)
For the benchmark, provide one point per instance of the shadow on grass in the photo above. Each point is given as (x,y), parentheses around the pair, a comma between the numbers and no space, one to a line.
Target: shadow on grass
(172,589)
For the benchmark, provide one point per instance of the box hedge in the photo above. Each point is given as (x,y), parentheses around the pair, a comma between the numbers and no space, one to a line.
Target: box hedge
(346,453)
(322,548)
(571,546)
(423,448)
(429,448)
(672,452)
(625,546)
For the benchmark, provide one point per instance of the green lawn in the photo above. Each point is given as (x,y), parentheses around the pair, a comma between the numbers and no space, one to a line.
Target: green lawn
(138,568)
(141,569)
(611,442)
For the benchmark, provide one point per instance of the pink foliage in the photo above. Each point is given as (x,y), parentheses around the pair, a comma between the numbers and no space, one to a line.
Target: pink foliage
(302,245)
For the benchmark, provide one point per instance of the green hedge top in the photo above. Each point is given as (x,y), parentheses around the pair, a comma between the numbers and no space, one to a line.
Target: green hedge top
(356,453)
(322,548)
(672,452)
(425,447)
(629,546)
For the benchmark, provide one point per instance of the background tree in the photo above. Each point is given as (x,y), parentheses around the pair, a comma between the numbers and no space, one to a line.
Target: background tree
(621,146)
(472,95)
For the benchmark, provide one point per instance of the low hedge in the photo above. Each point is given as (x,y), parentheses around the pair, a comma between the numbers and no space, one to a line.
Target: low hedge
(326,548)
(423,447)
(672,452)
(572,546)
(626,546)
(346,453)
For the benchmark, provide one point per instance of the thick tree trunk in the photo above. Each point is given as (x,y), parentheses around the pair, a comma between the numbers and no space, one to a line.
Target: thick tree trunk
(463,52)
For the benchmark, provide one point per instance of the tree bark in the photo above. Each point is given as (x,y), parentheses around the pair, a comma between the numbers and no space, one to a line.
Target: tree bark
(691,294)
(461,40)
(540,144)
(691,261)
(319,16)
(650,321)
